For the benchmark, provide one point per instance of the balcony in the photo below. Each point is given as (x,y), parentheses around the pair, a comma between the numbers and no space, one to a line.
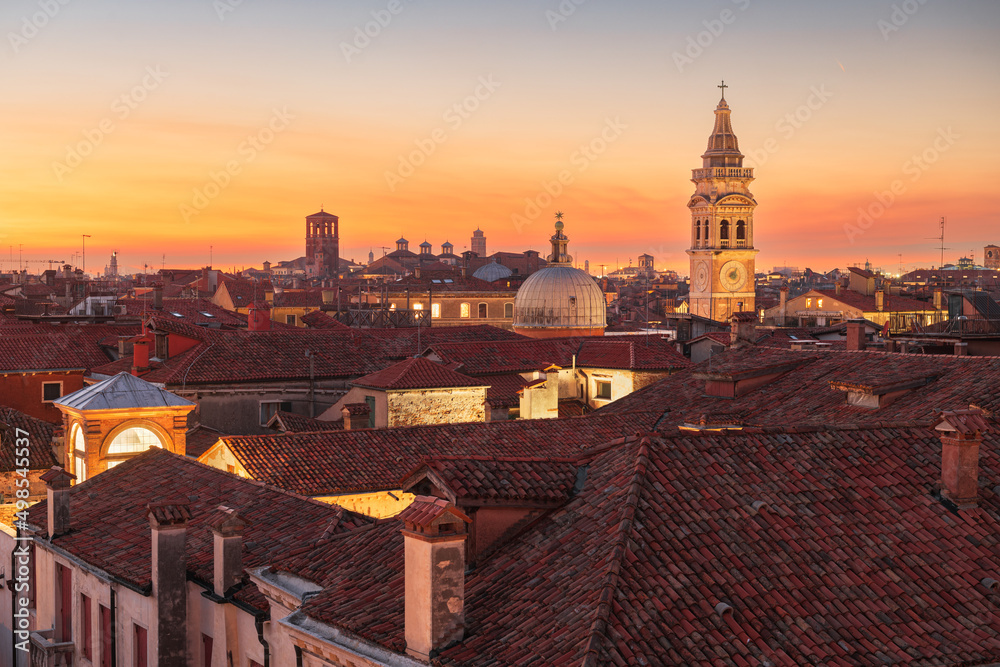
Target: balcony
(723,172)
(46,653)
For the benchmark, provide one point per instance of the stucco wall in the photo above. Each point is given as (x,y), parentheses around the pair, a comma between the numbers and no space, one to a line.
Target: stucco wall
(437,406)
(379,504)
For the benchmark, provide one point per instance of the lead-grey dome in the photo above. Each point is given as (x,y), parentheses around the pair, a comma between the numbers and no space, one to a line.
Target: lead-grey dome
(492,271)
(560,297)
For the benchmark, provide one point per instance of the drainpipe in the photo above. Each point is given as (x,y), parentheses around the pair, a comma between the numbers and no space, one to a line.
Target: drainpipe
(258,622)
(113,613)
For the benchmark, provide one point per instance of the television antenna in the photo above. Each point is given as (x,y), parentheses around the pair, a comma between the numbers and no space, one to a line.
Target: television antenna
(941,239)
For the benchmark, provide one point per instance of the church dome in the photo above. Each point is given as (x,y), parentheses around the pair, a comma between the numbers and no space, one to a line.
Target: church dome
(492,272)
(559,300)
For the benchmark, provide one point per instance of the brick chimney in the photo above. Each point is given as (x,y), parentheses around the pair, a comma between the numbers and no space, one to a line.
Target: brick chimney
(259,318)
(880,300)
(856,334)
(57,486)
(140,356)
(356,415)
(783,303)
(168,521)
(227,536)
(434,542)
(743,329)
(158,296)
(961,437)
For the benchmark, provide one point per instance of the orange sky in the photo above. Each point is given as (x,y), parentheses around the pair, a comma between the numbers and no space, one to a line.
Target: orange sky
(162,98)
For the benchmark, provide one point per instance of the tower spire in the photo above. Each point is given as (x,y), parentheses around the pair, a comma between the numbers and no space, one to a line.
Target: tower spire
(723,87)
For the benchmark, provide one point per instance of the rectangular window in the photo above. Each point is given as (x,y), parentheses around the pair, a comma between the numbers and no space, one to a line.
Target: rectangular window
(65,602)
(809,303)
(508,310)
(370,401)
(86,628)
(81,467)
(106,647)
(603,390)
(435,310)
(51,391)
(290,319)
(269,408)
(206,651)
(465,310)
(140,647)
(819,303)
(482,310)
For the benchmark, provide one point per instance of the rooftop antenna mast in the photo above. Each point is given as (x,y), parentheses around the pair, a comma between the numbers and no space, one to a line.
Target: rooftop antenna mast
(941,239)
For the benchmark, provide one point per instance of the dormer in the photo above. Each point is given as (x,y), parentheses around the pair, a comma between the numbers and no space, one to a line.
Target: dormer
(866,391)
(737,375)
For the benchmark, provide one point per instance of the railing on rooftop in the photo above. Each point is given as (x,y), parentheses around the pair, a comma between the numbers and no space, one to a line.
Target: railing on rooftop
(723,172)
(364,318)
(46,653)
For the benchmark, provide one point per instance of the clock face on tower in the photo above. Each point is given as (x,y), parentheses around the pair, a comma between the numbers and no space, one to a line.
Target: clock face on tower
(701,276)
(733,276)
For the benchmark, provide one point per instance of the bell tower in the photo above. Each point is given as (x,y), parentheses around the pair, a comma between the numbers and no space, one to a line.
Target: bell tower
(722,251)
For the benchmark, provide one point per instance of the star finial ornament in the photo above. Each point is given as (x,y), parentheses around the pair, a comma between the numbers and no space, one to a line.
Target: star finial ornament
(559,215)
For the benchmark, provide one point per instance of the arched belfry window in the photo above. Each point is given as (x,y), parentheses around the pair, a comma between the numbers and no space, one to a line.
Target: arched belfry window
(704,233)
(741,230)
(697,230)
(724,230)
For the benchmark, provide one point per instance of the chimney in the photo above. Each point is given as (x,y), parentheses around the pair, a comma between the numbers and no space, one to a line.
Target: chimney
(416,272)
(296,283)
(856,334)
(961,436)
(158,296)
(939,303)
(961,349)
(140,356)
(356,415)
(880,300)
(434,545)
(783,303)
(57,486)
(837,287)
(743,329)
(168,521)
(227,537)
(259,318)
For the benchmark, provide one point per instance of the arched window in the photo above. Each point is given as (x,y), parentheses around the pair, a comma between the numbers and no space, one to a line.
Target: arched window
(508,311)
(704,232)
(697,230)
(741,230)
(134,440)
(724,230)
(79,449)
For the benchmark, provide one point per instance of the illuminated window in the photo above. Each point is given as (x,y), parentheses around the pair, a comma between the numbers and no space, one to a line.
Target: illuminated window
(392,306)
(819,303)
(134,440)
(81,468)
(418,306)
(464,310)
(809,303)
(435,310)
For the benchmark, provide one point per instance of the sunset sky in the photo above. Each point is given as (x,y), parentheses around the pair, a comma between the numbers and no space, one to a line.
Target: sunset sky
(118,114)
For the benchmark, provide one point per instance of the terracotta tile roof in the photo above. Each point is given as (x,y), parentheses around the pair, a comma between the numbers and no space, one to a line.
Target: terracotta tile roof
(66,346)
(894,302)
(39,434)
(244,292)
(485,357)
(320,320)
(803,393)
(426,510)
(794,547)
(109,529)
(199,438)
(296,423)
(200,312)
(315,464)
(402,343)
(416,373)
(504,390)
(573,408)
(503,479)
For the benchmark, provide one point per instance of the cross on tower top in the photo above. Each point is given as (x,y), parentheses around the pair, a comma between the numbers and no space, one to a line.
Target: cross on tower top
(723,87)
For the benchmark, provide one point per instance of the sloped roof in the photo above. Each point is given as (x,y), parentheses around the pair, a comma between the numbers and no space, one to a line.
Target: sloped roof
(788,547)
(121,392)
(39,434)
(505,478)
(894,302)
(416,373)
(109,528)
(328,463)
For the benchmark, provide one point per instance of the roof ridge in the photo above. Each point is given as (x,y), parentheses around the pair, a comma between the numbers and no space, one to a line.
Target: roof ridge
(598,627)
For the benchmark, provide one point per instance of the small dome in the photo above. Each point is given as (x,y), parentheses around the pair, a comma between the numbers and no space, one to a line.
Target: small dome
(560,297)
(425,244)
(492,272)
